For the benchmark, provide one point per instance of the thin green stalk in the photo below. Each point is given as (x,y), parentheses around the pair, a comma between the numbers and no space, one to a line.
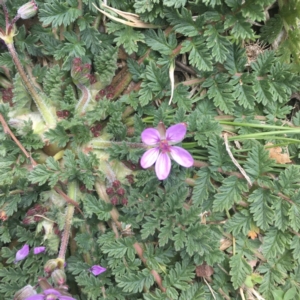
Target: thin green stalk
(72,193)
(258,125)
(100,144)
(198,157)
(190,145)
(263,134)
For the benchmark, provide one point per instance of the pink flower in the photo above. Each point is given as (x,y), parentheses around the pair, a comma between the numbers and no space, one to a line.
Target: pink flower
(97,270)
(162,141)
(22,253)
(38,250)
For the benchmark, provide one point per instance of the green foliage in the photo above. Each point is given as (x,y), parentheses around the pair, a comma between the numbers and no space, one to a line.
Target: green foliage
(53,84)
(106,63)
(92,205)
(134,283)
(57,13)
(258,162)
(183,23)
(158,41)
(221,93)
(240,222)
(239,270)
(261,202)
(47,172)
(229,193)
(274,243)
(157,239)
(272,29)
(199,56)
(21,97)
(154,83)
(126,36)
(58,135)
(72,48)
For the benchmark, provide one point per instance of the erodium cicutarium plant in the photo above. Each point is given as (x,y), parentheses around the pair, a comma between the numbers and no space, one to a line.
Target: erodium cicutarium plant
(149,149)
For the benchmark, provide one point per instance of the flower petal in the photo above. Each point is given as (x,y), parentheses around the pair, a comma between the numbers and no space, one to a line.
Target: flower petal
(181,156)
(36,297)
(38,250)
(97,270)
(176,133)
(149,158)
(66,298)
(52,292)
(150,136)
(163,166)
(22,253)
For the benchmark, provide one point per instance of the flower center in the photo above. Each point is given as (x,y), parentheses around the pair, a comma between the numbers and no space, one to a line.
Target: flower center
(164,146)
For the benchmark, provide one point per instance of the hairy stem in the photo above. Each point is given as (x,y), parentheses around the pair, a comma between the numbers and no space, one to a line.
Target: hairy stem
(6,129)
(42,106)
(72,193)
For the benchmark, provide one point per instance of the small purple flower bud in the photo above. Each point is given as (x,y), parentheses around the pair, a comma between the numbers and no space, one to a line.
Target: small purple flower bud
(22,253)
(97,270)
(27,10)
(38,250)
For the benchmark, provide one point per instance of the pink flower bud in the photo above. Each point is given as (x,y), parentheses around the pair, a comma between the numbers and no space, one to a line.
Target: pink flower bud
(97,270)
(38,250)
(22,253)
(27,10)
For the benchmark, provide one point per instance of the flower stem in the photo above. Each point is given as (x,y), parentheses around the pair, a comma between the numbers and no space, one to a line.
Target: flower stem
(101,144)
(264,135)
(72,193)
(42,106)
